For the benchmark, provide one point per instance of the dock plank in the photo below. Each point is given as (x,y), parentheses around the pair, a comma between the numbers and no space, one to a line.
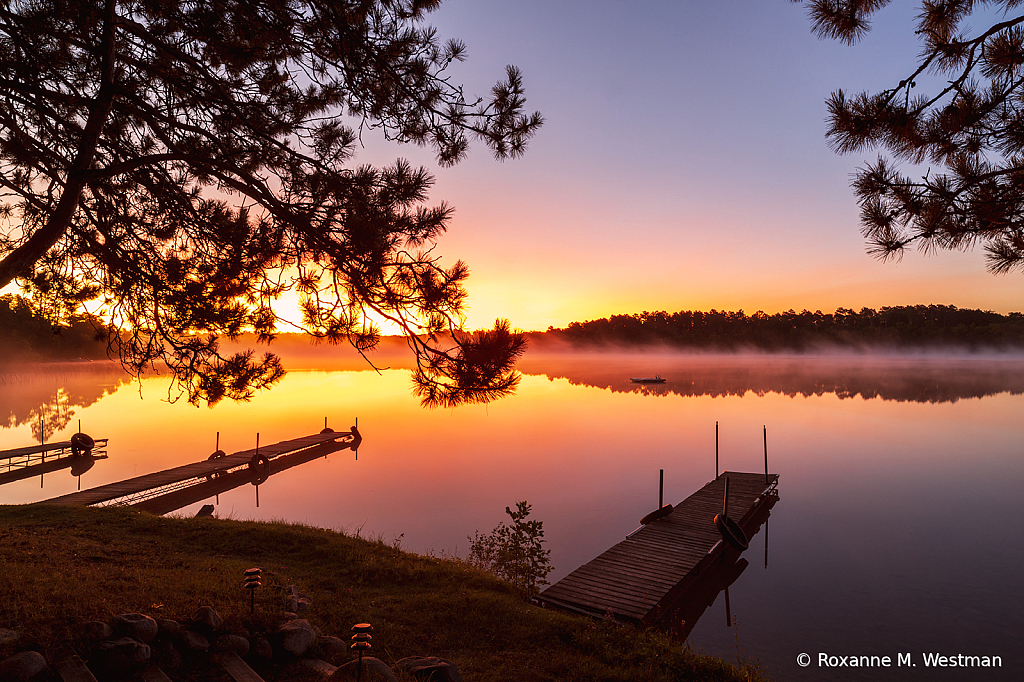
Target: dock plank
(631,578)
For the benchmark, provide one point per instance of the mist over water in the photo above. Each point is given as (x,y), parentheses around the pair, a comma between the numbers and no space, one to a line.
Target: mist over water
(928,378)
(47,397)
(899,478)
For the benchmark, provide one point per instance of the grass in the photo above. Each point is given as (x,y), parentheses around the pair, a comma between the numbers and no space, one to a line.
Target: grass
(61,567)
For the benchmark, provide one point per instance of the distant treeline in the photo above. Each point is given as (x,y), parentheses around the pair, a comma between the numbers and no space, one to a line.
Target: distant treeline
(920,325)
(28,337)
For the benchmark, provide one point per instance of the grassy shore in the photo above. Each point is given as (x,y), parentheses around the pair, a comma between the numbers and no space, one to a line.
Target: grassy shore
(61,567)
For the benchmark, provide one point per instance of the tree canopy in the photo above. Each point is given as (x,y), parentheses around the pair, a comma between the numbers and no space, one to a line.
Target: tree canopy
(897,326)
(970,125)
(26,336)
(180,164)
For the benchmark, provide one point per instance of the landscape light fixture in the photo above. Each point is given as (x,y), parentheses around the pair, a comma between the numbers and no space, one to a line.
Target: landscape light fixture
(252,581)
(361,642)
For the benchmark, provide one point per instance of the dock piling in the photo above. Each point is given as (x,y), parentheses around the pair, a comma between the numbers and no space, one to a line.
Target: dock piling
(661,488)
(765,455)
(255,458)
(716,450)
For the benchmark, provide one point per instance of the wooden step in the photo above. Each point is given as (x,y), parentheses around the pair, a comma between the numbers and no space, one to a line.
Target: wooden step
(236,667)
(154,674)
(73,669)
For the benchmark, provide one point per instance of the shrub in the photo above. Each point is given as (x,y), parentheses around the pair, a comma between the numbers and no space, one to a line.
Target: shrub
(513,552)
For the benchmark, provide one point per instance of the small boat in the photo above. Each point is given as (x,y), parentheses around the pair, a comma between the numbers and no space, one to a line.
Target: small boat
(656,379)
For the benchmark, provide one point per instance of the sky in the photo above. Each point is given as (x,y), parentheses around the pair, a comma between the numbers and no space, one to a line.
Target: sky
(682,165)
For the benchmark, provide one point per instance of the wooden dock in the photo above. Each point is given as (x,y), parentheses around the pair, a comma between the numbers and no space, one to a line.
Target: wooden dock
(60,448)
(638,579)
(35,460)
(203,489)
(10,473)
(206,470)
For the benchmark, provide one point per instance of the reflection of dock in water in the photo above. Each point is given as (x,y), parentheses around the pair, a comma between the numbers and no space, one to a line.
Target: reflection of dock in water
(165,491)
(36,460)
(673,560)
(699,590)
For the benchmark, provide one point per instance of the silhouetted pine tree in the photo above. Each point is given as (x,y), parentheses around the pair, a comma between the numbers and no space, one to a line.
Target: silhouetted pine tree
(185,162)
(971,126)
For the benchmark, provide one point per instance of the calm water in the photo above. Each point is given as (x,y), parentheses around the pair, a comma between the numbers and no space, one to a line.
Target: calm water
(900,479)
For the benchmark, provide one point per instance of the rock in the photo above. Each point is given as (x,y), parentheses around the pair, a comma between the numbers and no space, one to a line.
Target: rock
(298,603)
(430,668)
(207,617)
(97,631)
(22,667)
(260,648)
(321,669)
(170,657)
(7,636)
(333,650)
(137,625)
(373,669)
(123,653)
(171,627)
(195,641)
(234,644)
(297,636)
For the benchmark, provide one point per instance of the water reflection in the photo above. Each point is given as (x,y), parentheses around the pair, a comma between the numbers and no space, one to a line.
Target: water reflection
(18,468)
(886,541)
(45,396)
(924,379)
(212,486)
(699,592)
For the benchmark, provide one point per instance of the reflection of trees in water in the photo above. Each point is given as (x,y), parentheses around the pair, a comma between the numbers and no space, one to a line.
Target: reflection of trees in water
(914,379)
(51,417)
(45,397)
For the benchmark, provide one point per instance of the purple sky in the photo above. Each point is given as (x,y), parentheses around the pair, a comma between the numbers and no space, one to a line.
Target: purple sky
(682,165)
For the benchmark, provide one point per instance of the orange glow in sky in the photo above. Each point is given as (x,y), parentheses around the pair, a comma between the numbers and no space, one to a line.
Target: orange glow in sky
(683,165)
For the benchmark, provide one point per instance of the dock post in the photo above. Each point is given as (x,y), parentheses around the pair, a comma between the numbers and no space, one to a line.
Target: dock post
(216,448)
(766,455)
(716,450)
(661,488)
(258,485)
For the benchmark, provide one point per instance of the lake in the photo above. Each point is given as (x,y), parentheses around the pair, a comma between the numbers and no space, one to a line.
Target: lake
(897,529)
